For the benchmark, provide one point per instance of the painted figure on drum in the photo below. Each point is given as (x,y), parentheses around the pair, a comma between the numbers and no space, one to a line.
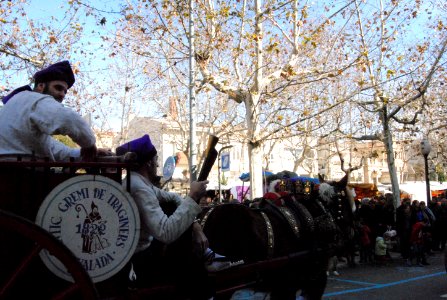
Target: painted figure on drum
(93,230)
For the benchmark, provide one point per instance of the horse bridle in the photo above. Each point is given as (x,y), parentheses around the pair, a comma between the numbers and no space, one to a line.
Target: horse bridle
(338,214)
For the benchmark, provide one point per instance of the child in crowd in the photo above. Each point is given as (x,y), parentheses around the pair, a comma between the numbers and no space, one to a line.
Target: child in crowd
(390,242)
(365,251)
(417,241)
(380,250)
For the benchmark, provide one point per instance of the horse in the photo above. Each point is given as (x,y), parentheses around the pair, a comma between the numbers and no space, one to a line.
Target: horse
(345,221)
(344,215)
(297,225)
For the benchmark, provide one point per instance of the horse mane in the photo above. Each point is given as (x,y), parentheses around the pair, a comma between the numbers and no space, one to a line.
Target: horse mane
(326,192)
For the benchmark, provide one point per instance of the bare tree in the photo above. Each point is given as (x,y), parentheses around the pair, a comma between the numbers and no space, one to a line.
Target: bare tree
(394,71)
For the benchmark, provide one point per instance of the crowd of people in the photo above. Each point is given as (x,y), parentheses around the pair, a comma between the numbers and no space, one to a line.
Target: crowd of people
(414,229)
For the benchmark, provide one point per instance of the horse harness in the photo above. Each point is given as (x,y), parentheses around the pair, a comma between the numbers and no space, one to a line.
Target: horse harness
(270,235)
(205,217)
(283,212)
(337,213)
(286,210)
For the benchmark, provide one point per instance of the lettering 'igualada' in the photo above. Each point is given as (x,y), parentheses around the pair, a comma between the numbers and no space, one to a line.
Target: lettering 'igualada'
(97,263)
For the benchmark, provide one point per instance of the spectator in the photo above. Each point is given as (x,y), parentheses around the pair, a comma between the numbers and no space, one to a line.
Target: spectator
(427,214)
(389,210)
(380,250)
(403,228)
(416,213)
(366,212)
(390,241)
(431,219)
(418,240)
(437,228)
(366,251)
(442,219)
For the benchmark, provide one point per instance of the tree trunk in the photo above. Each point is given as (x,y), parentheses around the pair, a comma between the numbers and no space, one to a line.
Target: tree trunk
(254,148)
(256,174)
(388,142)
(252,113)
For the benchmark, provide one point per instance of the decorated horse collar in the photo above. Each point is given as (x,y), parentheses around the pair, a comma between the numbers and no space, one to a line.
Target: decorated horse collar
(296,187)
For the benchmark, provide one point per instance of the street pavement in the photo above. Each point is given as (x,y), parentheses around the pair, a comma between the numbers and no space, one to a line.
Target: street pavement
(393,281)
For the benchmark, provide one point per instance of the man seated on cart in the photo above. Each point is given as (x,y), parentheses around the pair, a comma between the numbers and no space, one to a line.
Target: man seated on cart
(172,246)
(29,118)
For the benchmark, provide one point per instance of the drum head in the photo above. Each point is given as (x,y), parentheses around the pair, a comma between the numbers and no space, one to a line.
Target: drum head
(96,219)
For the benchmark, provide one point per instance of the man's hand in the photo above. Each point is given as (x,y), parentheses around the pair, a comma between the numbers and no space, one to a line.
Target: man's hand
(104,152)
(199,240)
(197,190)
(88,153)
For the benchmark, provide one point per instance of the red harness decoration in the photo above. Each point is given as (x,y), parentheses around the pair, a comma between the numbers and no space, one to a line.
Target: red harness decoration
(278,201)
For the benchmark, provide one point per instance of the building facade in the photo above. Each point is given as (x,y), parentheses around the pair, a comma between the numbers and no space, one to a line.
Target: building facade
(306,157)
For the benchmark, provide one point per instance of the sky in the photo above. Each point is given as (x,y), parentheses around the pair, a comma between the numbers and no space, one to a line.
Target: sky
(41,11)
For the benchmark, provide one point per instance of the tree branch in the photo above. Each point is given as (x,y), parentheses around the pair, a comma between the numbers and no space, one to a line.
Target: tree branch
(37,63)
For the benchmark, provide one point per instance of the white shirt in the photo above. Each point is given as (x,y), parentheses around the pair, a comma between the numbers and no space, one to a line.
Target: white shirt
(154,222)
(28,120)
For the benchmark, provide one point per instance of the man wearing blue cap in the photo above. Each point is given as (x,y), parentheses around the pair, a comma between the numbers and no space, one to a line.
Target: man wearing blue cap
(173,229)
(29,118)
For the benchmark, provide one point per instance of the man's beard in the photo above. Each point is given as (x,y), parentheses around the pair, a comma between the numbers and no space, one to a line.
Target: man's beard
(46,89)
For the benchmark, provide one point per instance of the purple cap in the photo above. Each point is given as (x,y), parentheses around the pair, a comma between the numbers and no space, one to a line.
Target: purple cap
(59,71)
(142,146)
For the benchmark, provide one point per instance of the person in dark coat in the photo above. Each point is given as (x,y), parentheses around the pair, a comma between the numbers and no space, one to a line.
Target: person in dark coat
(403,228)
(442,221)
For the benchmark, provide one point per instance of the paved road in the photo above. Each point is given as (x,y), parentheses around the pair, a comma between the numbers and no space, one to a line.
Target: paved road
(394,281)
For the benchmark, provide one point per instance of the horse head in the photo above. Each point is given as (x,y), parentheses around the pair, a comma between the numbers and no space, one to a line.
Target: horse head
(337,197)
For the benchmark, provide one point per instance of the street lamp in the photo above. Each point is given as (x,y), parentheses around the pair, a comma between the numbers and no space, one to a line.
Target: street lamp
(218,169)
(425,150)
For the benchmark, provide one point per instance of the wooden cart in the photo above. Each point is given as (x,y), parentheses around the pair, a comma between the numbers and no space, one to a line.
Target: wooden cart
(26,189)
(25,183)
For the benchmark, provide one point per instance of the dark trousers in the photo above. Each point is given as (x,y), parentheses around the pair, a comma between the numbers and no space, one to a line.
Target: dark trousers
(173,264)
(366,253)
(405,245)
(418,253)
